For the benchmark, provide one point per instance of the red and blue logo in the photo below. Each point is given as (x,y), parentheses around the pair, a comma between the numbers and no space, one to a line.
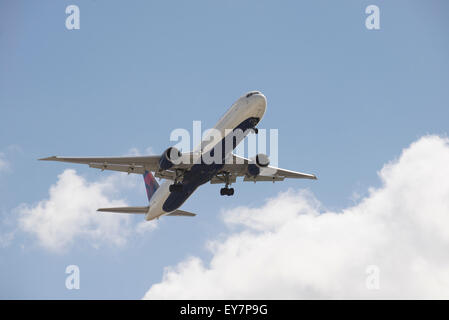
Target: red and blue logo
(150,184)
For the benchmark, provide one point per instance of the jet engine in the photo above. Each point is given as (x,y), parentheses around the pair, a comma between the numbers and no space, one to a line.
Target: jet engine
(168,158)
(261,161)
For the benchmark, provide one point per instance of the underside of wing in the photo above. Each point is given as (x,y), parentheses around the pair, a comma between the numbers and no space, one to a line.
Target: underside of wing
(123,164)
(276,174)
(220,178)
(137,165)
(239,168)
(139,160)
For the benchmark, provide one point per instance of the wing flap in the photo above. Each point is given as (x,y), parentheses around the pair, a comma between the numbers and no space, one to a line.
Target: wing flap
(293,174)
(262,178)
(119,167)
(239,167)
(124,164)
(127,164)
(140,160)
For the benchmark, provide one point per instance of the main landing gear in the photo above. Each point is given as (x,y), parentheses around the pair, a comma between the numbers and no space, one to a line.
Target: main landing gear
(226,191)
(177,186)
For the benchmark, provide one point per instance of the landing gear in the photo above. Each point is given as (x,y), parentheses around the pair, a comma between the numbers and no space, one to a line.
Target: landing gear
(255,130)
(227,191)
(177,185)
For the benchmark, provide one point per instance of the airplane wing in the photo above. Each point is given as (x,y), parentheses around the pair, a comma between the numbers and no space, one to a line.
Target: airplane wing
(239,168)
(138,164)
(124,164)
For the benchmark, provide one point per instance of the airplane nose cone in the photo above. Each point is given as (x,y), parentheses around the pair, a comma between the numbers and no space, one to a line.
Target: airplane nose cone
(260,99)
(258,103)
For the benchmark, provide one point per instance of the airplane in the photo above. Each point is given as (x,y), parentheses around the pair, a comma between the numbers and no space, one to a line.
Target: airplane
(185,172)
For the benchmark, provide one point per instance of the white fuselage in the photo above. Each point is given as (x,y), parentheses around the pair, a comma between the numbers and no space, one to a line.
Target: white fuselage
(251,105)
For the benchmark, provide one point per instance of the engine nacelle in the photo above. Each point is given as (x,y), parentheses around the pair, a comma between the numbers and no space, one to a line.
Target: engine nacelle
(261,161)
(169,158)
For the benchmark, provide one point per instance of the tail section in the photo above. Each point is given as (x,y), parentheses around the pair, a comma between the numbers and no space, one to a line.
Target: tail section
(150,184)
(181,213)
(144,210)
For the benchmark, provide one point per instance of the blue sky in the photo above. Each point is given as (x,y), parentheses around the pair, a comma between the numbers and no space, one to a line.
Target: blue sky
(346,100)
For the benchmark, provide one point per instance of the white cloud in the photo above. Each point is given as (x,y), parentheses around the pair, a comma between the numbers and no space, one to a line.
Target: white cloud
(291,248)
(146,226)
(70,212)
(6,239)
(4,165)
(136,152)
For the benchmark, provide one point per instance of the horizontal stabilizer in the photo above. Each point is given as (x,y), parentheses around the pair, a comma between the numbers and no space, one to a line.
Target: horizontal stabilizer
(181,213)
(144,210)
(136,210)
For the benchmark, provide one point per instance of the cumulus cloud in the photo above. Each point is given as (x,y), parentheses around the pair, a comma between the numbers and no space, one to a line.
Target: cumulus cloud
(6,239)
(5,162)
(136,152)
(146,226)
(70,213)
(4,165)
(290,247)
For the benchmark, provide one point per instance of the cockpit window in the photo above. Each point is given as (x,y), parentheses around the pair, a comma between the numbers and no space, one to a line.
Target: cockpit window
(252,93)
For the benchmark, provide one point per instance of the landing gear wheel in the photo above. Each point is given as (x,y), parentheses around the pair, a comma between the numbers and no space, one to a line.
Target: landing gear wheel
(227,191)
(256,131)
